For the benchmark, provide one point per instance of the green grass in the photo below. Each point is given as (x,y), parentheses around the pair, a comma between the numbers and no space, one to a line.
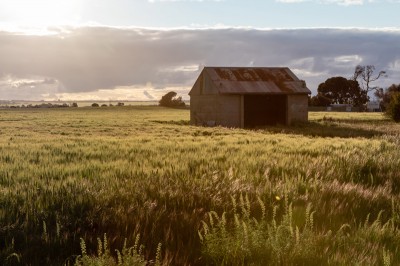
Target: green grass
(67,174)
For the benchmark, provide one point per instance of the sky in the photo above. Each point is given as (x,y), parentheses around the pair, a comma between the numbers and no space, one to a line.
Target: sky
(73,50)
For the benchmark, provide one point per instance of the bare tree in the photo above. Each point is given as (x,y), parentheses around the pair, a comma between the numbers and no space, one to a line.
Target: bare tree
(366,76)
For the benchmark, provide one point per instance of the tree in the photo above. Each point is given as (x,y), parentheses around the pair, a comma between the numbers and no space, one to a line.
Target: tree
(365,74)
(393,109)
(170,100)
(319,100)
(340,90)
(385,96)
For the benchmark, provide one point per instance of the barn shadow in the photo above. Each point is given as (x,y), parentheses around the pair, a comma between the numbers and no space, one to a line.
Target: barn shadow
(172,122)
(320,128)
(354,121)
(324,129)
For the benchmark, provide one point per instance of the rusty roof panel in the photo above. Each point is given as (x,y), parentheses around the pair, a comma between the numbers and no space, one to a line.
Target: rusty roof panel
(241,80)
(253,74)
(297,87)
(248,87)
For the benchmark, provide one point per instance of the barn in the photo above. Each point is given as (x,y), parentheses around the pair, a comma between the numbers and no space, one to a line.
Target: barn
(248,97)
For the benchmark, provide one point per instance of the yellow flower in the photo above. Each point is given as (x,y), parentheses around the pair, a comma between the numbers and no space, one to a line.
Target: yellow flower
(277,198)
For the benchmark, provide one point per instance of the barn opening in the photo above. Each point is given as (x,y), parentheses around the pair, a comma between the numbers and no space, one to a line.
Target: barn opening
(264,110)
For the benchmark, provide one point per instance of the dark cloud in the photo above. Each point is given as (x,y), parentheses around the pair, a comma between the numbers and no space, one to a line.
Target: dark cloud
(91,58)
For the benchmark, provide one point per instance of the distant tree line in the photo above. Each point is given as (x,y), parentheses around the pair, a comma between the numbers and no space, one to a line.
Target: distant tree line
(105,105)
(42,105)
(61,105)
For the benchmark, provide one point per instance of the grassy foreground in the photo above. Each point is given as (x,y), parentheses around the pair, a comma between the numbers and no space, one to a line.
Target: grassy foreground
(322,193)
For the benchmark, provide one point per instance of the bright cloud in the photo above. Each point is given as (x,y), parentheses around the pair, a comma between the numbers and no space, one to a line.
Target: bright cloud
(348,59)
(41,12)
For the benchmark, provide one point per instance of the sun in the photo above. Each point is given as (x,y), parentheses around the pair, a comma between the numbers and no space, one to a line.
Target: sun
(41,12)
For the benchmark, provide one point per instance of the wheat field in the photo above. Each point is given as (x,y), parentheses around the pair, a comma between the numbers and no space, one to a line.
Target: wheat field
(319,193)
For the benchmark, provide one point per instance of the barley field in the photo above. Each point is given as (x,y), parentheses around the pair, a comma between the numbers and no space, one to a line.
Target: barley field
(138,185)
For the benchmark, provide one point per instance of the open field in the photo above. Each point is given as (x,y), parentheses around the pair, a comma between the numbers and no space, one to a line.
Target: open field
(325,192)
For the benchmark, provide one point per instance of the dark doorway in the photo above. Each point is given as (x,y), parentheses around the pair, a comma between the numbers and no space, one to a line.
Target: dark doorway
(264,110)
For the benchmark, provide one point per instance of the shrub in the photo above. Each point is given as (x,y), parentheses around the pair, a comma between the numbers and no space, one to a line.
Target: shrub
(170,100)
(95,105)
(393,109)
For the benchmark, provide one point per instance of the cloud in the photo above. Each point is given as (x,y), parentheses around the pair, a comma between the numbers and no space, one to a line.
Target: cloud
(345,2)
(20,83)
(148,95)
(338,2)
(140,63)
(154,1)
(292,1)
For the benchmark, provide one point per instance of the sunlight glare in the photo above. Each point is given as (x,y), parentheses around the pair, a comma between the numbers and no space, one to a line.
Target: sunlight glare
(41,13)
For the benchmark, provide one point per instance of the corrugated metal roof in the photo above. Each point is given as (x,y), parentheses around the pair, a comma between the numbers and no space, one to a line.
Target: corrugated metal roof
(256,80)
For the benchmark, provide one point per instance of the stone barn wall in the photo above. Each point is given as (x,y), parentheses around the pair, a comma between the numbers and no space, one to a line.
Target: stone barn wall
(297,108)
(214,109)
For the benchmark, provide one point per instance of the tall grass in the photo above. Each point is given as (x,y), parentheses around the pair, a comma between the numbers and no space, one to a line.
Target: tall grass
(131,256)
(289,239)
(80,173)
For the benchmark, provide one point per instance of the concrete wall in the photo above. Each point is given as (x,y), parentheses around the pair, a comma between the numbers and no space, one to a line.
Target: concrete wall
(208,108)
(212,110)
(226,110)
(297,108)
(203,86)
(196,89)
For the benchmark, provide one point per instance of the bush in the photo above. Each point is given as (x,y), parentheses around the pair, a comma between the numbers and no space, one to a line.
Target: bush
(95,105)
(170,100)
(393,109)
